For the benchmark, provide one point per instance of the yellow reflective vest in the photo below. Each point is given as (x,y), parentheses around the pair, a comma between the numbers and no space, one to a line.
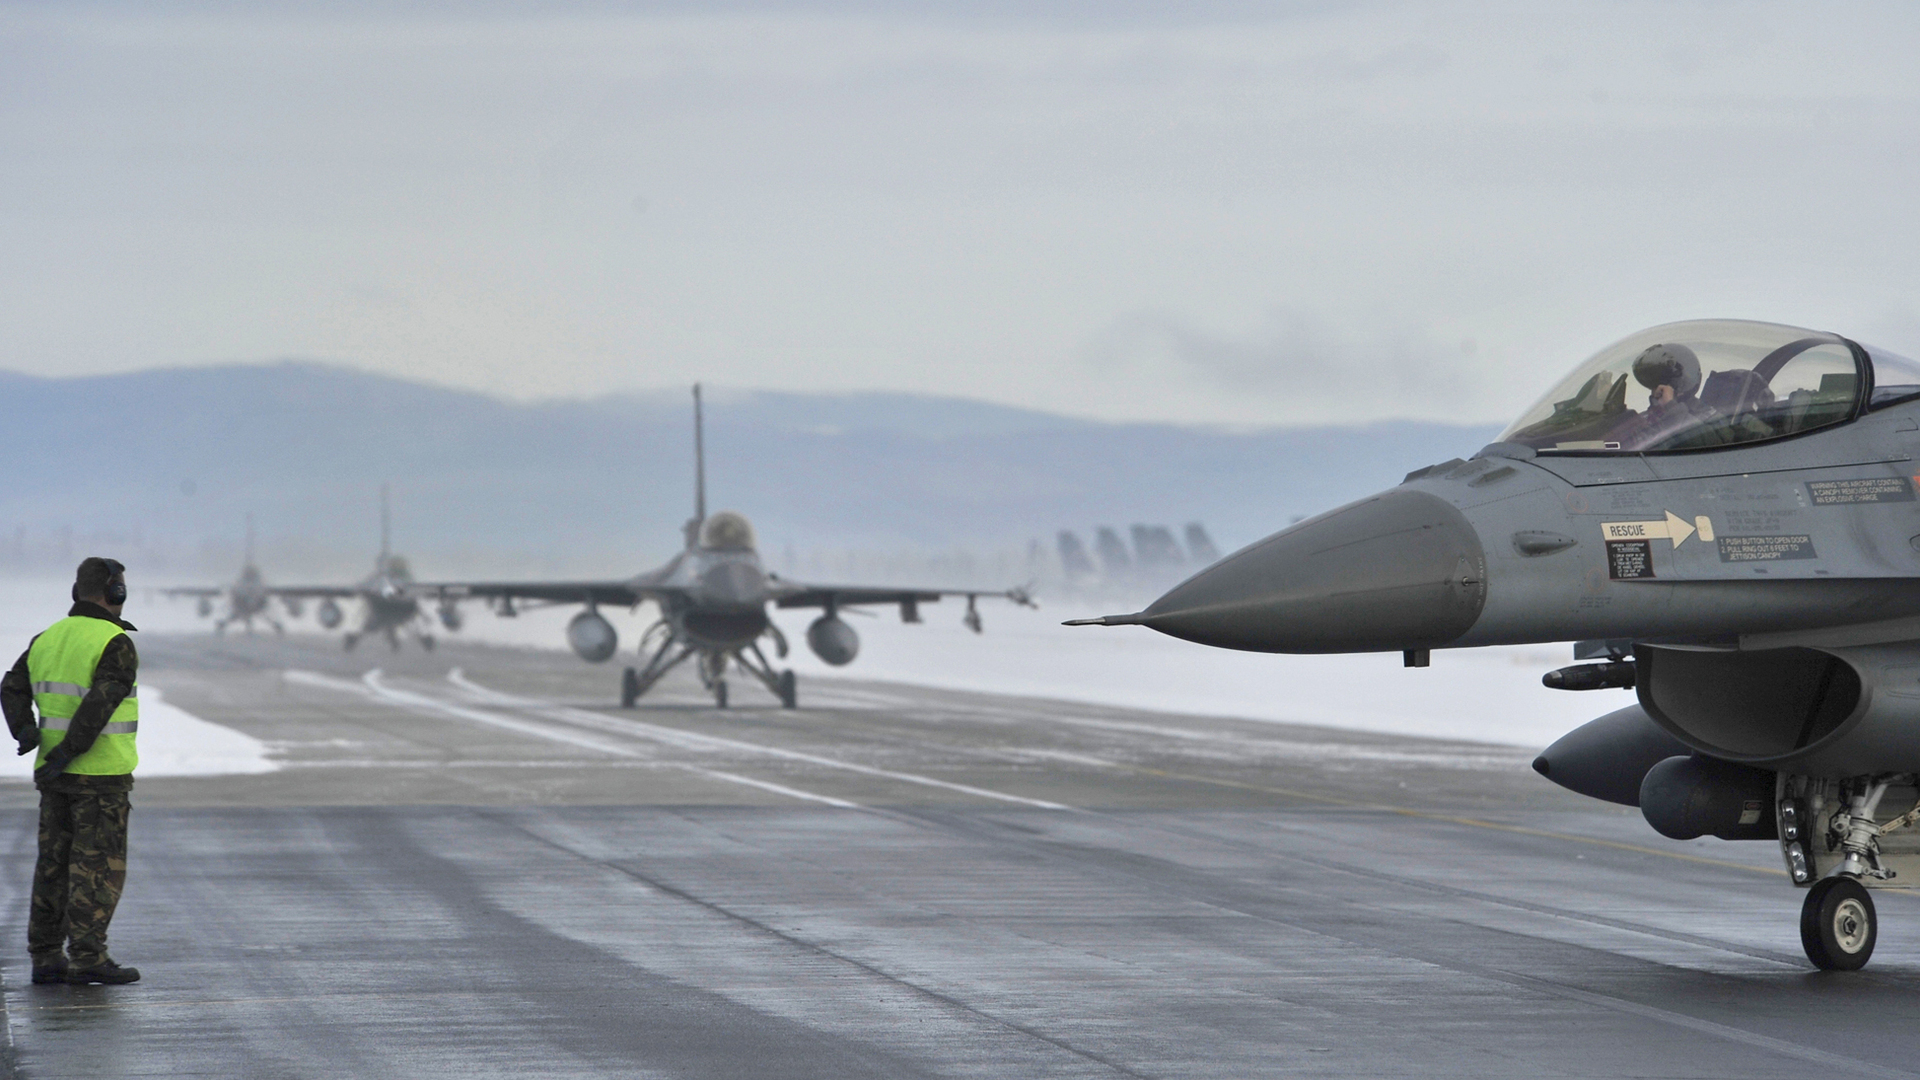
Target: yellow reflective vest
(61,664)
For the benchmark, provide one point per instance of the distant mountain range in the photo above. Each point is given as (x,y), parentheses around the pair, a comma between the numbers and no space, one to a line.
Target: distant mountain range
(165,464)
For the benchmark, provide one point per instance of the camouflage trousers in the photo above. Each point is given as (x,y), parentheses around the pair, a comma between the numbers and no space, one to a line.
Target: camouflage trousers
(77,881)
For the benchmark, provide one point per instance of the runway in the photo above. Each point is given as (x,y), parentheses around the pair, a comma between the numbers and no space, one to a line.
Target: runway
(471,865)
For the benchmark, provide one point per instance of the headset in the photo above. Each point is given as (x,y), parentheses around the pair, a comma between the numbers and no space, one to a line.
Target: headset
(115,593)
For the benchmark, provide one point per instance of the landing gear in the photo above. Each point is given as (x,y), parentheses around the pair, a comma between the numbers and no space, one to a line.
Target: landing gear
(781,684)
(719,693)
(635,683)
(1837,924)
(348,641)
(426,642)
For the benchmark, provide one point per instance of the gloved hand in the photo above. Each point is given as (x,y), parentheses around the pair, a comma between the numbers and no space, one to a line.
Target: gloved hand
(28,746)
(55,764)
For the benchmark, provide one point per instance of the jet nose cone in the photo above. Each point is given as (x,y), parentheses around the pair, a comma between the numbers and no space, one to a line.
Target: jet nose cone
(1401,570)
(734,584)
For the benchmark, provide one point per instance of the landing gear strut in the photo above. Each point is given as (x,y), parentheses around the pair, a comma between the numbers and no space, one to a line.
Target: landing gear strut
(635,683)
(754,662)
(1838,924)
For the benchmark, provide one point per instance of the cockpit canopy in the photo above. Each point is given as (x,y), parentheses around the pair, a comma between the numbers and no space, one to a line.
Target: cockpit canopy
(726,531)
(1711,383)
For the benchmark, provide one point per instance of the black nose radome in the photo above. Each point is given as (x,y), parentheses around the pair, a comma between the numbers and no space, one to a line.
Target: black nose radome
(1401,570)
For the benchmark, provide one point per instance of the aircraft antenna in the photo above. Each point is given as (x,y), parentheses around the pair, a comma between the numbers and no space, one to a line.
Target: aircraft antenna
(699,472)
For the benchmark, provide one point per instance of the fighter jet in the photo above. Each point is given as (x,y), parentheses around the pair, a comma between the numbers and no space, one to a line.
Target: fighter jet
(390,600)
(247,598)
(1722,515)
(713,599)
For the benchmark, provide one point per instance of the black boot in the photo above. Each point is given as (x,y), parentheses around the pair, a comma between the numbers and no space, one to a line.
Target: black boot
(106,971)
(53,970)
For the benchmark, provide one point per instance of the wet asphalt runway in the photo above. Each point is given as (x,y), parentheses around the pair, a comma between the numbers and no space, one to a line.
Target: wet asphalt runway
(471,866)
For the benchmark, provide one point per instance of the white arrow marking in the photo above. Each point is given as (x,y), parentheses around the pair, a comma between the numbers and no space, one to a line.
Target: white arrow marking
(1673,527)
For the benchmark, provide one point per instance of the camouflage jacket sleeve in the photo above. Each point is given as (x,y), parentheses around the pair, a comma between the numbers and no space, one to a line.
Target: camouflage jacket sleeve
(16,700)
(112,682)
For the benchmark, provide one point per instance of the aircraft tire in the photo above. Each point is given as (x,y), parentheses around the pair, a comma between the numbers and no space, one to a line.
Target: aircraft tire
(1838,926)
(426,642)
(719,693)
(348,641)
(789,690)
(629,688)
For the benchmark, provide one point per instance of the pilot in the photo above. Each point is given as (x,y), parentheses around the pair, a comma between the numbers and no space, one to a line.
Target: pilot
(81,674)
(1671,374)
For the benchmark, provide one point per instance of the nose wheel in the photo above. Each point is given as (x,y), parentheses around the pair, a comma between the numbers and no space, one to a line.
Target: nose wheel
(1837,924)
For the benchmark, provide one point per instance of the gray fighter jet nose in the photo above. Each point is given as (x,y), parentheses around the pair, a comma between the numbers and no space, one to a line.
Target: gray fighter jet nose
(734,583)
(1401,570)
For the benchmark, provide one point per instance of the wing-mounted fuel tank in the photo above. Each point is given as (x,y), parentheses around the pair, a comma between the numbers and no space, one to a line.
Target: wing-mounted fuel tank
(592,637)
(832,640)
(1609,757)
(1625,757)
(1843,711)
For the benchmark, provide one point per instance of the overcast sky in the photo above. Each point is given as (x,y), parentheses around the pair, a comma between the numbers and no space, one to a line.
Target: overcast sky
(1272,213)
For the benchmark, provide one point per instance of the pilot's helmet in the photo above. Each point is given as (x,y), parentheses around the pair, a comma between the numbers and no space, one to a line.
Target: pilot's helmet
(1668,365)
(726,531)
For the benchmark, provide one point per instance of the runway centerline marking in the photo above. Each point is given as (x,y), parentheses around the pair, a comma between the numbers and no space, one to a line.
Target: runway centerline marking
(371,685)
(693,741)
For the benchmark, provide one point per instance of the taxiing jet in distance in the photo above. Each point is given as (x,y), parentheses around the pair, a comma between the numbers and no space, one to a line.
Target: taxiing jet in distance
(713,599)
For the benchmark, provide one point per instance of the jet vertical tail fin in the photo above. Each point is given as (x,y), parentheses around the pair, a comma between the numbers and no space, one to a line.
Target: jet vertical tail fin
(699,472)
(386,528)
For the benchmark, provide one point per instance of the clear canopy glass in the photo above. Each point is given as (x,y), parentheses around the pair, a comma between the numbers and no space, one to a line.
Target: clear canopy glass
(1699,385)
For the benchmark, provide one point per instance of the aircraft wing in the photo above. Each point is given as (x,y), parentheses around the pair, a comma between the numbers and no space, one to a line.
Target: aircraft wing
(624,593)
(195,590)
(796,594)
(313,591)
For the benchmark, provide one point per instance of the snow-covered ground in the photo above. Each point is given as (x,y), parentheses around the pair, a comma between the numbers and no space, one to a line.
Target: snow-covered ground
(174,742)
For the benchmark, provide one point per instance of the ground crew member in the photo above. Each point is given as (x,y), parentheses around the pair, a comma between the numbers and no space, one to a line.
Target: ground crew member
(80,674)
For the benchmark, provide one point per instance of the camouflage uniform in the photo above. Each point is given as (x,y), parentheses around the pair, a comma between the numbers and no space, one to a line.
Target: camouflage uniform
(78,878)
(83,818)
